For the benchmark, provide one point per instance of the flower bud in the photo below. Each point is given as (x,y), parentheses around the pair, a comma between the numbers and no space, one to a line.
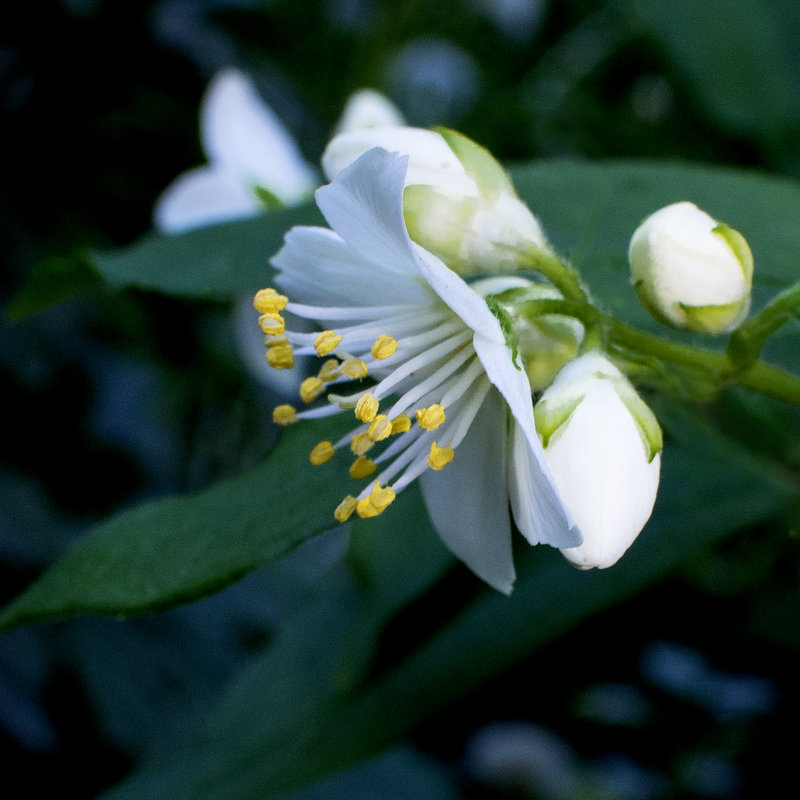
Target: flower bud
(691,271)
(459,203)
(602,445)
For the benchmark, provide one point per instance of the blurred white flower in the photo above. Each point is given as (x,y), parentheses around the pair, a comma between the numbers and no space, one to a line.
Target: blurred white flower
(367,108)
(461,419)
(691,271)
(254,166)
(253,162)
(603,447)
(459,203)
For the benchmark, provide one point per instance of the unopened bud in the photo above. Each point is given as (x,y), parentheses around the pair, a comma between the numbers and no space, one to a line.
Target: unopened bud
(691,271)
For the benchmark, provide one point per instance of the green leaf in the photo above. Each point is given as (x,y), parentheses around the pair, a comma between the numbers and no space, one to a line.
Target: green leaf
(178,549)
(54,280)
(218,262)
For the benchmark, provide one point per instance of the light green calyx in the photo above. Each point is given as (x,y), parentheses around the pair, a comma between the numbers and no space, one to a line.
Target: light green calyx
(645,419)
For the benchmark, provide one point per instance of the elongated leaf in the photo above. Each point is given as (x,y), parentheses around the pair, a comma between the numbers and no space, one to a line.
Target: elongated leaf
(221,261)
(178,549)
(318,710)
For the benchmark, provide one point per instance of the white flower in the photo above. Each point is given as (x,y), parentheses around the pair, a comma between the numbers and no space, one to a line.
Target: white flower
(448,405)
(691,271)
(602,444)
(459,204)
(252,162)
(367,108)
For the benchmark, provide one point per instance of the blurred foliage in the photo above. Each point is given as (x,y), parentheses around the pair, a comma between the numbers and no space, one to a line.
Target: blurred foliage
(609,685)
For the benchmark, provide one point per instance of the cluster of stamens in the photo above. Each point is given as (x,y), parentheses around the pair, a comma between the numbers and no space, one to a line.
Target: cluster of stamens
(431,366)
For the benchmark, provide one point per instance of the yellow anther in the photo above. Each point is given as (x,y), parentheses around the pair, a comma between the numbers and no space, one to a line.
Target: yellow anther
(360,443)
(271,323)
(326,342)
(367,407)
(321,453)
(440,457)
(268,301)
(384,347)
(345,509)
(431,417)
(376,502)
(280,356)
(380,428)
(354,368)
(401,423)
(329,370)
(310,389)
(284,415)
(362,467)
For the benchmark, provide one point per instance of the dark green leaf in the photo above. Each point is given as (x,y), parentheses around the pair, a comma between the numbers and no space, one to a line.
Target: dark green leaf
(54,280)
(220,261)
(178,549)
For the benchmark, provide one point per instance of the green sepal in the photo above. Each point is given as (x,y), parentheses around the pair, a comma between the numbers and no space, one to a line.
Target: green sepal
(645,419)
(268,199)
(717,318)
(506,326)
(478,163)
(549,417)
(741,249)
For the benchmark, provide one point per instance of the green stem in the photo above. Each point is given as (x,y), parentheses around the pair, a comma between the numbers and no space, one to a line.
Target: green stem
(566,279)
(759,377)
(749,338)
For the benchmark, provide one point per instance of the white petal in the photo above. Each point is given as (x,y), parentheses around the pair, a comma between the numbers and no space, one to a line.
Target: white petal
(600,466)
(364,205)
(201,197)
(319,268)
(467,501)
(243,135)
(367,108)
(513,385)
(431,161)
(539,519)
(461,298)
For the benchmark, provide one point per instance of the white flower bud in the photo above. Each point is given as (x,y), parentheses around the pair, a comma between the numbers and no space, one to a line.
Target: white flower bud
(458,203)
(691,271)
(602,445)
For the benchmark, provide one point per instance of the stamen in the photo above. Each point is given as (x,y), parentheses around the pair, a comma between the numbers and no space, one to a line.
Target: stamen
(268,301)
(310,389)
(431,417)
(284,415)
(321,453)
(345,509)
(384,347)
(361,443)
(362,467)
(401,423)
(354,368)
(280,356)
(329,370)
(439,457)
(326,342)
(367,407)
(380,429)
(376,502)
(271,323)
